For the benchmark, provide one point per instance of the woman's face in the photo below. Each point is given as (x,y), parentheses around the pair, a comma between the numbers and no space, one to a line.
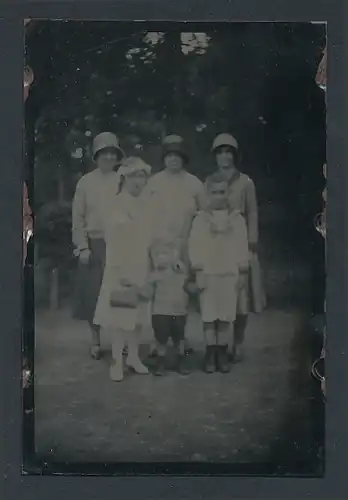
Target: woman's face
(135,183)
(173,162)
(107,160)
(225,159)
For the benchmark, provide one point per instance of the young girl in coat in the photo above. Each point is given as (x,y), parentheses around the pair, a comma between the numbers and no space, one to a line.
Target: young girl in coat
(218,251)
(127,223)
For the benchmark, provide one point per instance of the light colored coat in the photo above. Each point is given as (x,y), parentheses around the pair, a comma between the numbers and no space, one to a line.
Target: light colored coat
(242,196)
(219,255)
(128,235)
(176,199)
(94,191)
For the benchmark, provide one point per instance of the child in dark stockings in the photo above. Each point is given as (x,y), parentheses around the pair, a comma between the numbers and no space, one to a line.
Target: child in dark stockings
(169,305)
(218,250)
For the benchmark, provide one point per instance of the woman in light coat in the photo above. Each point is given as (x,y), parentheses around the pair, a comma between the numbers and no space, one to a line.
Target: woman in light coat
(242,196)
(92,191)
(128,234)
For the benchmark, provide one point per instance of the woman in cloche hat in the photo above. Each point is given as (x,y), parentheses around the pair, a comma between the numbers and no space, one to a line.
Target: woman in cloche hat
(242,196)
(92,191)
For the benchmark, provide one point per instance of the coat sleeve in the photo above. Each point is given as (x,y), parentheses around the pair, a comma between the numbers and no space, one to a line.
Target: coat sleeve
(241,243)
(251,214)
(79,234)
(196,243)
(201,196)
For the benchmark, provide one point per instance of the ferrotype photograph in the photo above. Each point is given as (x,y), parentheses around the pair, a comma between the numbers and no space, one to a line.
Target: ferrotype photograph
(176,238)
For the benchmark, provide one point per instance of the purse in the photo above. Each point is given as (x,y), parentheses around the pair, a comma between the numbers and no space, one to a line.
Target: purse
(126,297)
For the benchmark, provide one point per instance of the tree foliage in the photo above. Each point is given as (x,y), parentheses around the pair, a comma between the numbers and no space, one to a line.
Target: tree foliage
(143,84)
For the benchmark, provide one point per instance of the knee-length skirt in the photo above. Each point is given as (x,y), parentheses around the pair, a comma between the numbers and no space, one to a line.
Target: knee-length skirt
(88,282)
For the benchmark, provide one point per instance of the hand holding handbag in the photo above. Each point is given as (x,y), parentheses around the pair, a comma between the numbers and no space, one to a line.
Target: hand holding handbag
(146,292)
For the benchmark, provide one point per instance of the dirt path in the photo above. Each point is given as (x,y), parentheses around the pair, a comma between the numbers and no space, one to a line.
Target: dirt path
(222,418)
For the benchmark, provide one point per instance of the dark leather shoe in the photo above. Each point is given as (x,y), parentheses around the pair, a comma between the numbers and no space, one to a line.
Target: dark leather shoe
(160,368)
(209,359)
(95,352)
(183,366)
(237,353)
(223,364)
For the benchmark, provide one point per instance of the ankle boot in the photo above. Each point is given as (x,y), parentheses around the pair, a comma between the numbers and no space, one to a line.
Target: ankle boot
(153,353)
(237,353)
(183,366)
(135,364)
(188,347)
(95,352)
(116,371)
(222,359)
(160,370)
(209,359)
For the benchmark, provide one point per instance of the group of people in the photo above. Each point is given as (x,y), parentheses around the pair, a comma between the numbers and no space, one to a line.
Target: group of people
(152,244)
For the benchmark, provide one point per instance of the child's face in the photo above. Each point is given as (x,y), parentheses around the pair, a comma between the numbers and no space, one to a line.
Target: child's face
(135,183)
(162,257)
(218,195)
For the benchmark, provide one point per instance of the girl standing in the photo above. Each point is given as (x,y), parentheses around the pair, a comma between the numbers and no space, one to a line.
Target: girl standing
(127,229)
(242,196)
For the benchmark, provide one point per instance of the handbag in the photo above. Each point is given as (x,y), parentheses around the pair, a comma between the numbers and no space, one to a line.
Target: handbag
(126,297)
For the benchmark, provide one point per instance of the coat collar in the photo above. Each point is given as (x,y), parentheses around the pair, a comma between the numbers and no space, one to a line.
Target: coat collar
(232,213)
(214,227)
(234,177)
